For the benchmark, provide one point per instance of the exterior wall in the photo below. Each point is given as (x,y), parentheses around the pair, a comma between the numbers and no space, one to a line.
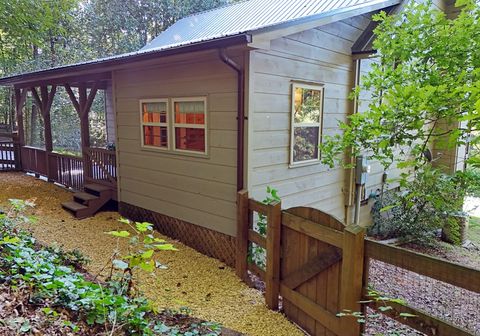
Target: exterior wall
(198,190)
(318,55)
(110,114)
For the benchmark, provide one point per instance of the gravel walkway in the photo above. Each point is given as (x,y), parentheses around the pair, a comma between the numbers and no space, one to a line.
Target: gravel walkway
(204,285)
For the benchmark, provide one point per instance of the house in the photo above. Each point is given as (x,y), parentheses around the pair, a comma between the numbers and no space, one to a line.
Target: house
(233,98)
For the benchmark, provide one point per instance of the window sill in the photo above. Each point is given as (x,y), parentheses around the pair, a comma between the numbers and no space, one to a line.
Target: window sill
(304,164)
(175,153)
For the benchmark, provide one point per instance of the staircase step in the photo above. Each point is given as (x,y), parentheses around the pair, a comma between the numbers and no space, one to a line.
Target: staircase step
(74,206)
(84,197)
(95,188)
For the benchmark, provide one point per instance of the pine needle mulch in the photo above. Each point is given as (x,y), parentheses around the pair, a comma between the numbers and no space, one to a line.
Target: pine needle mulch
(208,288)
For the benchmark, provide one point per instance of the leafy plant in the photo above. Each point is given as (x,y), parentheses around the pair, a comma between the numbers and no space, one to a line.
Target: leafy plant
(109,306)
(429,202)
(257,254)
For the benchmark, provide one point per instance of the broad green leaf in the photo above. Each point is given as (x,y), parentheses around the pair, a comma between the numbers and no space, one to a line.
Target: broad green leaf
(147,254)
(122,234)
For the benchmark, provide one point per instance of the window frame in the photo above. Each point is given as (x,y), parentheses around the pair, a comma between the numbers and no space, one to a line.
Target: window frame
(309,86)
(159,124)
(176,125)
(171,125)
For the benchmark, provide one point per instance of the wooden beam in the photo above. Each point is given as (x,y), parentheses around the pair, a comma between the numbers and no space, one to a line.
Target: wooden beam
(256,238)
(257,206)
(324,317)
(422,321)
(312,267)
(20,97)
(352,276)
(73,98)
(90,98)
(455,274)
(272,274)
(312,229)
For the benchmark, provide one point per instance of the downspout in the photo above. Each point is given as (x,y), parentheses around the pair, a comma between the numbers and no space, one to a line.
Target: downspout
(240,114)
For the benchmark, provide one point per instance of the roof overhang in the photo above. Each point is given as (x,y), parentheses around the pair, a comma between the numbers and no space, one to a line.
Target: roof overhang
(262,37)
(100,69)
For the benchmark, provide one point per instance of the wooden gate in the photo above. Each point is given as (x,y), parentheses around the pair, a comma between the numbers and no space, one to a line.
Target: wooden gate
(313,262)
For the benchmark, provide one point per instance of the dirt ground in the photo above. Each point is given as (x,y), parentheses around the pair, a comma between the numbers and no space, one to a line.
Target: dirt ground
(208,288)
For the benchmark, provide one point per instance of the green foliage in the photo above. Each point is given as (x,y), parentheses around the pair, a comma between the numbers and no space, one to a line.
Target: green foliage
(23,265)
(426,75)
(430,201)
(257,254)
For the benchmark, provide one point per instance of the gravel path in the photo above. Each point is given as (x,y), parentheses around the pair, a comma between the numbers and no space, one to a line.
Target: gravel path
(204,285)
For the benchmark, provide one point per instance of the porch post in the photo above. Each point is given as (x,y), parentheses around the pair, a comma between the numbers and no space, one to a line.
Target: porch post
(20,97)
(83,105)
(44,102)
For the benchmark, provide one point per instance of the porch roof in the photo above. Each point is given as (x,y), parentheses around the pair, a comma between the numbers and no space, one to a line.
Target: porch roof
(99,69)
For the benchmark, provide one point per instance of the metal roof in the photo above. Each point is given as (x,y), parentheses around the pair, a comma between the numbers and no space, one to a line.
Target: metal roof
(253,16)
(221,27)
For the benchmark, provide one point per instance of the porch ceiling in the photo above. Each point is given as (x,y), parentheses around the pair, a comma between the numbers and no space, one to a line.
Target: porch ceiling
(101,81)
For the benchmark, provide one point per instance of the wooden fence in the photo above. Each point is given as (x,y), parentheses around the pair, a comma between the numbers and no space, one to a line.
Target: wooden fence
(319,267)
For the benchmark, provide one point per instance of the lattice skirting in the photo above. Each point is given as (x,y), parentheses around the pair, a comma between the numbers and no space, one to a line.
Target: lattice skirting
(211,243)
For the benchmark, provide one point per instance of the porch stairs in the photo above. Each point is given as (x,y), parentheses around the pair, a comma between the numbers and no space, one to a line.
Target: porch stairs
(87,203)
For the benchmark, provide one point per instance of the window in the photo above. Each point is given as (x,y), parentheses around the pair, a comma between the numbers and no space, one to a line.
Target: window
(154,121)
(306,131)
(181,129)
(190,124)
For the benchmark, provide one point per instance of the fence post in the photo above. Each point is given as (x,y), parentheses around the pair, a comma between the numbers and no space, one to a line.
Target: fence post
(242,235)
(351,282)
(272,274)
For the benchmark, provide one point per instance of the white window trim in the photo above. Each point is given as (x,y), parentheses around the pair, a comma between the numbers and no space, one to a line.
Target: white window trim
(166,124)
(171,125)
(293,124)
(181,125)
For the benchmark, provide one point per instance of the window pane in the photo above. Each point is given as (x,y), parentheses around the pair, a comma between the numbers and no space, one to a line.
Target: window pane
(190,112)
(308,105)
(190,139)
(155,136)
(306,143)
(155,112)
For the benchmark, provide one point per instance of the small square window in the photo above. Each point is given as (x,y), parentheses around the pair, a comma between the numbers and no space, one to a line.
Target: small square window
(190,124)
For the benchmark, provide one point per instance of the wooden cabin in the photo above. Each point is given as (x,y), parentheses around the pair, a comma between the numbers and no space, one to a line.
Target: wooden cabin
(219,102)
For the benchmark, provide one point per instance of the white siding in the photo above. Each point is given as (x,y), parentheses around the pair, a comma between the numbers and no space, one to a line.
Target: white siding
(318,55)
(198,190)
(110,114)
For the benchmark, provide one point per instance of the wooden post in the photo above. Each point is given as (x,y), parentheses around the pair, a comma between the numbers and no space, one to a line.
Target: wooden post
(20,97)
(352,276)
(272,274)
(241,266)
(83,105)
(44,102)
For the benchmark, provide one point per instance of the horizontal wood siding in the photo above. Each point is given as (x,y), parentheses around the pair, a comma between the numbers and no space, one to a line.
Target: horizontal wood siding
(320,55)
(198,190)
(110,114)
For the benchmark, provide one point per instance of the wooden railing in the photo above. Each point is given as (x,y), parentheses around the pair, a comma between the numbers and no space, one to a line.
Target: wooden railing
(66,170)
(34,160)
(435,268)
(101,166)
(98,165)
(9,156)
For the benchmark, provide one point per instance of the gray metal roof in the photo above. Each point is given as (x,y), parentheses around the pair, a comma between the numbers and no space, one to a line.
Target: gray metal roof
(252,16)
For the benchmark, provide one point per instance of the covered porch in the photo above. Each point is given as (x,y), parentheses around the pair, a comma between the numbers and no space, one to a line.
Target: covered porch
(92,173)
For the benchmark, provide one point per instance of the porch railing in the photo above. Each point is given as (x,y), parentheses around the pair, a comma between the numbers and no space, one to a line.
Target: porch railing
(9,159)
(98,165)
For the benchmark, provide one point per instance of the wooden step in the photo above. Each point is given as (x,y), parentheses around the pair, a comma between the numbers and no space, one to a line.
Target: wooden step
(74,206)
(95,189)
(84,198)
(80,211)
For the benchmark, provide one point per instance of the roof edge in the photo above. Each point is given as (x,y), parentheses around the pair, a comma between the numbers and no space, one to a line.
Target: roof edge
(105,64)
